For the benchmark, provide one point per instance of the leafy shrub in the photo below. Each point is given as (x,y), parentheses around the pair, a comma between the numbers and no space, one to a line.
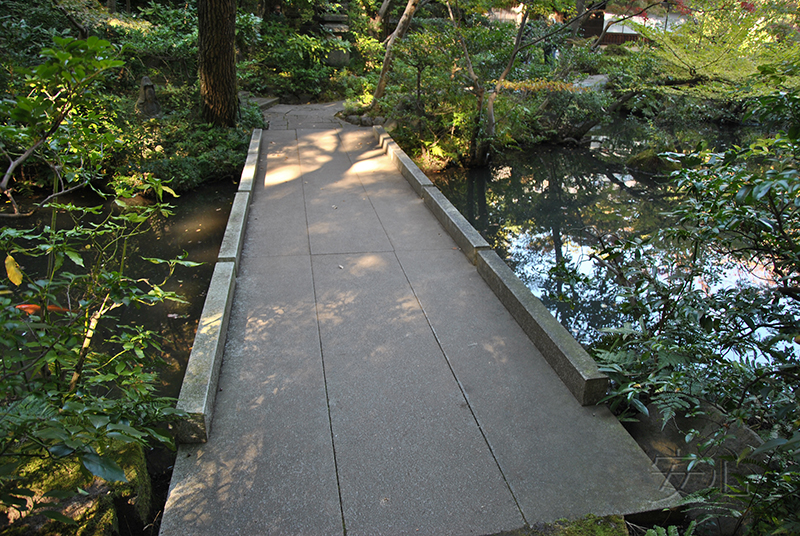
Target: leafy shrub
(25,29)
(63,392)
(164,47)
(188,155)
(288,62)
(248,31)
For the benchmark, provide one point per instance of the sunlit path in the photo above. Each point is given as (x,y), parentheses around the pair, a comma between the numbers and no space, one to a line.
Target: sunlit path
(372,383)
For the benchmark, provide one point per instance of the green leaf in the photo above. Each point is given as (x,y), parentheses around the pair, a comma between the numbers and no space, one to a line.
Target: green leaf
(57,516)
(60,450)
(59,494)
(8,468)
(771,444)
(99,421)
(640,407)
(74,257)
(126,429)
(104,467)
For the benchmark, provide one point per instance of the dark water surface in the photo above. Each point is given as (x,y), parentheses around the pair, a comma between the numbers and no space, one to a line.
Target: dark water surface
(557,204)
(196,229)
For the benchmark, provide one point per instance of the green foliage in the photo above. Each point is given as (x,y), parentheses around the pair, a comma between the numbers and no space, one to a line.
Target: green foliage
(300,12)
(67,392)
(670,531)
(697,334)
(288,62)
(248,31)
(164,43)
(189,157)
(52,112)
(719,39)
(25,29)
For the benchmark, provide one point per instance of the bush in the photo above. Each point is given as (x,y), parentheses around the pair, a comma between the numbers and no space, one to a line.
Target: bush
(164,46)
(286,62)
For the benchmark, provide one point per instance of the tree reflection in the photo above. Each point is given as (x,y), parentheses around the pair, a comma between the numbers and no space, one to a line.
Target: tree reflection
(547,211)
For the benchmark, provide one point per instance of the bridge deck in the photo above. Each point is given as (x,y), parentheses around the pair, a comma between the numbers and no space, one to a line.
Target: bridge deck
(372,383)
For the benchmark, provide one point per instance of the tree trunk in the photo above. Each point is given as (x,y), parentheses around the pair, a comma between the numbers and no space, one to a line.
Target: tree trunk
(575,25)
(481,145)
(379,21)
(399,32)
(217,61)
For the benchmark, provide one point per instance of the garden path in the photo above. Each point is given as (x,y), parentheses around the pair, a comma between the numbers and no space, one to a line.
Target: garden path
(372,383)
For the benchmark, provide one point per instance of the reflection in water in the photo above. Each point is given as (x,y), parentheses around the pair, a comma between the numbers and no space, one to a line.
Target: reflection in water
(554,206)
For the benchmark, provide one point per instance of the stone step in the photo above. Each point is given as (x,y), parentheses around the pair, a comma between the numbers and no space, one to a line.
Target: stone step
(265,102)
(262,102)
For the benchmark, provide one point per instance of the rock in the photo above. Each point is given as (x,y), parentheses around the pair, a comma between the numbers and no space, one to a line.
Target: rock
(666,445)
(96,512)
(365,121)
(147,105)
(353,119)
(378,120)
(390,125)
(338,58)
(650,161)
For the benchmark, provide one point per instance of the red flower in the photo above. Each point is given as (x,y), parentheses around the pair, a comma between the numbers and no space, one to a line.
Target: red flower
(748,6)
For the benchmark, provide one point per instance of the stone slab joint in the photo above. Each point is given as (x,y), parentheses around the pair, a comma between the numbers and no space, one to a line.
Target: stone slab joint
(572,363)
(231,248)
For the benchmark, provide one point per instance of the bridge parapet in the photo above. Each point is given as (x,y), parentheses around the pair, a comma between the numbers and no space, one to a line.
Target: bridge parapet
(566,356)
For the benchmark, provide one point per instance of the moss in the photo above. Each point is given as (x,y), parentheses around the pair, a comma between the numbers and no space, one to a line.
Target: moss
(588,526)
(137,491)
(95,512)
(649,161)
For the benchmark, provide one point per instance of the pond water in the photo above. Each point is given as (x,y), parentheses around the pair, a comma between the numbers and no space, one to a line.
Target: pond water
(553,204)
(195,228)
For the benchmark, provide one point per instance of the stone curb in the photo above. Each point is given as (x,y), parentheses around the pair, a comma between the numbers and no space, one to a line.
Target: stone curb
(231,248)
(574,366)
(565,355)
(251,163)
(468,239)
(409,170)
(199,387)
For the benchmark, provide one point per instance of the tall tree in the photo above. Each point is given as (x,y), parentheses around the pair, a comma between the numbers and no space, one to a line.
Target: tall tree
(402,26)
(217,61)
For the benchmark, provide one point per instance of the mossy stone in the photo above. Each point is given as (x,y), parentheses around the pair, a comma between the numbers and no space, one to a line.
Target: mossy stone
(588,526)
(95,513)
(649,161)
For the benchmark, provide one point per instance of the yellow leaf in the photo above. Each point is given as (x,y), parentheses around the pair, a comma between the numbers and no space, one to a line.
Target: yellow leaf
(13,271)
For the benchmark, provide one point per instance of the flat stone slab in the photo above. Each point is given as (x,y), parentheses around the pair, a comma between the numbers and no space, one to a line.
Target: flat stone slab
(373,383)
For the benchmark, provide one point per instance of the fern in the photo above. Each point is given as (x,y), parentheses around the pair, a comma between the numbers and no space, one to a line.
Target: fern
(672,530)
(673,403)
